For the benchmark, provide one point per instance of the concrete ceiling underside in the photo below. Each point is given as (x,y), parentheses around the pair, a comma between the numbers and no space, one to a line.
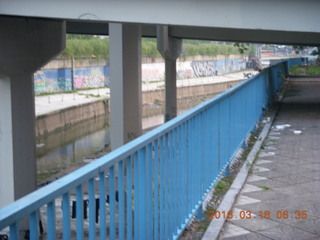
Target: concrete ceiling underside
(209,33)
(292,22)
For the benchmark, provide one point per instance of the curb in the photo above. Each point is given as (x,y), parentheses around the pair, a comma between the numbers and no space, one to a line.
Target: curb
(216,225)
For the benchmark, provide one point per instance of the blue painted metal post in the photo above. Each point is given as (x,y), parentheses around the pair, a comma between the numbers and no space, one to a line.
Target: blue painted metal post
(14,231)
(34,221)
(66,216)
(112,203)
(121,202)
(51,211)
(92,210)
(129,197)
(102,205)
(79,212)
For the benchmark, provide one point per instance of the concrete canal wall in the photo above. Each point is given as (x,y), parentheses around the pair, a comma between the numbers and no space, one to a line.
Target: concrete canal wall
(52,121)
(59,119)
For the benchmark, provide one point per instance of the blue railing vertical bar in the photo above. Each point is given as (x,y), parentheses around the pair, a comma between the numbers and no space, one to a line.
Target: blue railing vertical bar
(102,206)
(92,207)
(121,202)
(112,204)
(51,213)
(151,187)
(66,216)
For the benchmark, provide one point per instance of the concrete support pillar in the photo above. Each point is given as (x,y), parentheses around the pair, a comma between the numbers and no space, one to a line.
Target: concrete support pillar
(25,46)
(17,142)
(170,49)
(125,83)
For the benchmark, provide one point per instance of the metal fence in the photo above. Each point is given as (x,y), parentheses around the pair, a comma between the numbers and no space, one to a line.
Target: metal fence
(151,187)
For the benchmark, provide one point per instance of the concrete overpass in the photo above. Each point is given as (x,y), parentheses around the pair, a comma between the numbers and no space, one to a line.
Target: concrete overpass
(33,32)
(287,22)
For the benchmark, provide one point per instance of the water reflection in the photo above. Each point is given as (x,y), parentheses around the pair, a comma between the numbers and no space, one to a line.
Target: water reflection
(69,147)
(66,150)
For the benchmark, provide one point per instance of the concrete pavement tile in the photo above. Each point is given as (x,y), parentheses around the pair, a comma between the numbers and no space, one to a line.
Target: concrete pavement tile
(304,190)
(269,174)
(243,200)
(292,179)
(254,178)
(255,224)
(313,166)
(285,232)
(264,154)
(274,133)
(268,182)
(250,236)
(261,161)
(309,225)
(313,207)
(272,205)
(258,169)
(250,188)
(231,230)
(272,138)
(314,175)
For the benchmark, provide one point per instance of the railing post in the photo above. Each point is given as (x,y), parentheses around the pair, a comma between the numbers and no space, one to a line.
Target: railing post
(199,213)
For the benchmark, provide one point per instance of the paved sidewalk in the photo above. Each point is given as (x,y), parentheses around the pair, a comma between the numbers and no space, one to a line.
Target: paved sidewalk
(281,196)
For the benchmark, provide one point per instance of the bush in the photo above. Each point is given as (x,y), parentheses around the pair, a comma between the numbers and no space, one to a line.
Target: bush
(86,46)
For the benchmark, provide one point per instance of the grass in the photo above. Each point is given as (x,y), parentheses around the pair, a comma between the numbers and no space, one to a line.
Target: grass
(45,175)
(264,187)
(223,185)
(296,70)
(313,70)
(305,70)
(203,225)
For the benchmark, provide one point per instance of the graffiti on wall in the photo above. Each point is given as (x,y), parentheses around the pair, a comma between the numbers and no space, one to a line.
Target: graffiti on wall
(59,80)
(152,72)
(204,68)
(89,77)
(45,82)
(217,67)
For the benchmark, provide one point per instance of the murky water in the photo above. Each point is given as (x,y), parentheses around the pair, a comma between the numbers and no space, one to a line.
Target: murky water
(71,146)
(63,151)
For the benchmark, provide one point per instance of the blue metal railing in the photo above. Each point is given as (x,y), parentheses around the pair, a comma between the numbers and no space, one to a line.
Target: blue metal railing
(151,187)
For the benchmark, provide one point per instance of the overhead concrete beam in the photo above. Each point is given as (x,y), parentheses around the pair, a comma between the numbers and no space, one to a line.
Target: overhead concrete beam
(27,43)
(209,33)
(291,15)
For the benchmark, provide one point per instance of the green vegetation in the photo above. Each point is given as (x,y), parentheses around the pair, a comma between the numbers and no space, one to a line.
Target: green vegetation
(203,225)
(89,46)
(305,70)
(313,70)
(264,187)
(84,46)
(205,48)
(45,175)
(223,185)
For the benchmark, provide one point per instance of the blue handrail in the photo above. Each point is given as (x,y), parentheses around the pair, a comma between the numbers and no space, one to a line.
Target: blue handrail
(151,187)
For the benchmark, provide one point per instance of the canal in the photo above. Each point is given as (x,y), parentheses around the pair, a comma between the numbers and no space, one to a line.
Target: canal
(65,150)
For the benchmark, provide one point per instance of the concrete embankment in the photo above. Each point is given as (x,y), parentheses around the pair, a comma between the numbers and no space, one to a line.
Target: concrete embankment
(54,112)
(62,118)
